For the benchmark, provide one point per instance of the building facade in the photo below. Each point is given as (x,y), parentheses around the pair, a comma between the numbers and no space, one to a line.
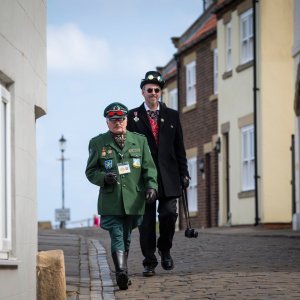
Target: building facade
(255,111)
(197,69)
(23,94)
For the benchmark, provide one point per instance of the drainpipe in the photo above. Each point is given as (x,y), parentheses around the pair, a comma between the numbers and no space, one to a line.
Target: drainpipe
(255,90)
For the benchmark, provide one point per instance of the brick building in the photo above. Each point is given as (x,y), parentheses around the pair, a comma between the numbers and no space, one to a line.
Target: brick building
(196,74)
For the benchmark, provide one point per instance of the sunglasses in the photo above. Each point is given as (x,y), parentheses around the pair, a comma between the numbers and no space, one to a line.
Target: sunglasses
(121,120)
(153,90)
(112,113)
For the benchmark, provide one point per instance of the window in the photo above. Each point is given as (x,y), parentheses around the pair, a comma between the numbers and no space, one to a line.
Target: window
(5,180)
(248,158)
(216,71)
(192,189)
(228,48)
(246,22)
(173,99)
(190,83)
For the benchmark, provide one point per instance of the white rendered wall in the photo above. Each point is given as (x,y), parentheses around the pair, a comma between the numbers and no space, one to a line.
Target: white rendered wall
(24,65)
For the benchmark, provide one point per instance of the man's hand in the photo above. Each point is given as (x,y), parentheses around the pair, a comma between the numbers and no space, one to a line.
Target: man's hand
(110,178)
(185,182)
(150,196)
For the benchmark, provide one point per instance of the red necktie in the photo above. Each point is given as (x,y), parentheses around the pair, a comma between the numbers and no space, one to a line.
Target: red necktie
(153,119)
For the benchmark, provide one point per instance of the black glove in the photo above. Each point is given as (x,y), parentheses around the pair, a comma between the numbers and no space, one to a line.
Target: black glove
(185,182)
(110,178)
(150,196)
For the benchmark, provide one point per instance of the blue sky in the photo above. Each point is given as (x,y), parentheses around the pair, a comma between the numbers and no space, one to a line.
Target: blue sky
(98,52)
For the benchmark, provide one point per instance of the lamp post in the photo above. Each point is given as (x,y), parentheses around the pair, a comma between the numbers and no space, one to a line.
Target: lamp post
(62,146)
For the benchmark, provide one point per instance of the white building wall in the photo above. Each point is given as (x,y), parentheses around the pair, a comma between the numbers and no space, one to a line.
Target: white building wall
(235,101)
(23,72)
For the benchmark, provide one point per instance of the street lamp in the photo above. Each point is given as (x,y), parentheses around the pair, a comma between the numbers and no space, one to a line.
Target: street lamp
(62,146)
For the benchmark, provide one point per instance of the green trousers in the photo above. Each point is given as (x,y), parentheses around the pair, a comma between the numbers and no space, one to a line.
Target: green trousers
(120,228)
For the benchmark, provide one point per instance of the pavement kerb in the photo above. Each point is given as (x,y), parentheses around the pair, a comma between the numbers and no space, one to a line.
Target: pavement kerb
(97,252)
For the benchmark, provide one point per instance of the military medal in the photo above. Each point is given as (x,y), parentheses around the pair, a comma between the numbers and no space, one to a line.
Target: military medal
(109,151)
(103,153)
(135,116)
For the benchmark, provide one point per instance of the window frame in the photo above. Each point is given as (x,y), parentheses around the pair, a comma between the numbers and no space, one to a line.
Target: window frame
(247,158)
(192,191)
(173,98)
(5,169)
(228,47)
(216,70)
(190,83)
(246,36)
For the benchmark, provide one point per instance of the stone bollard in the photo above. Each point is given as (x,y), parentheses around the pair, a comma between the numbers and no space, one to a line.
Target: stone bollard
(51,280)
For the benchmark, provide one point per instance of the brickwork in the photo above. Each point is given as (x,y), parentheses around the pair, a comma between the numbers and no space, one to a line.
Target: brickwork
(199,126)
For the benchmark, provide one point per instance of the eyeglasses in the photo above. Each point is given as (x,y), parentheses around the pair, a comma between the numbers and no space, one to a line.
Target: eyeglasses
(153,90)
(112,113)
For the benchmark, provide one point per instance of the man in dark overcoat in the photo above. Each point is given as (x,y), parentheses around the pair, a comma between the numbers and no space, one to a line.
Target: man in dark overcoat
(120,163)
(161,125)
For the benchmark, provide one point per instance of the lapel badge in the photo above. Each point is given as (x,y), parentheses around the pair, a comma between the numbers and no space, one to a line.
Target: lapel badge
(135,116)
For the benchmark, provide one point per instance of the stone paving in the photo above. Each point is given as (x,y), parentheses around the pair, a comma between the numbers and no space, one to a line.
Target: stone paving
(222,263)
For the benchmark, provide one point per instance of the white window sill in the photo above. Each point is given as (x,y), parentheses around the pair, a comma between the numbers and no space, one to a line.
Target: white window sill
(9,263)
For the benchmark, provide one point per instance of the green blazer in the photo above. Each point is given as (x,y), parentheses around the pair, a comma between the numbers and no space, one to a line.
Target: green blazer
(127,196)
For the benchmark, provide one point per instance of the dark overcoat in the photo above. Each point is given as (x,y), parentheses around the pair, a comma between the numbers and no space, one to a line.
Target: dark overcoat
(127,196)
(169,155)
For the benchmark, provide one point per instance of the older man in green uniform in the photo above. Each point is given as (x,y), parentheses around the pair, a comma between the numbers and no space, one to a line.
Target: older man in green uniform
(120,163)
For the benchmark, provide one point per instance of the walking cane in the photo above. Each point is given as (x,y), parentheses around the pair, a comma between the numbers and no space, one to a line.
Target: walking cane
(189,232)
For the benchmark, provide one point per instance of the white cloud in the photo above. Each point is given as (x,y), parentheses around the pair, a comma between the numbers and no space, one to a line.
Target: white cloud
(69,49)
(135,60)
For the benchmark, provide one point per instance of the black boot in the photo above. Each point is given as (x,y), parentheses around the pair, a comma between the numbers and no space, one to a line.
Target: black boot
(120,261)
(126,254)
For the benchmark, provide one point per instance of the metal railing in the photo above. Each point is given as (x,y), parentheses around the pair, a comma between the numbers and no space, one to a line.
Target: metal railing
(77,224)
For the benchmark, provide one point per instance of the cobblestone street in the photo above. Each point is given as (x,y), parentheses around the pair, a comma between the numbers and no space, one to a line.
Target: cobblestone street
(230,263)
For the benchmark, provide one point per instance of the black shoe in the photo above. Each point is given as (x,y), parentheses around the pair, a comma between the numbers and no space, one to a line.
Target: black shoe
(122,280)
(148,271)
(167,262)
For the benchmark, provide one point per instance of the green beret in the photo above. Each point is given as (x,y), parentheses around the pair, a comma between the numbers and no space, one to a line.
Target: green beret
(115,110)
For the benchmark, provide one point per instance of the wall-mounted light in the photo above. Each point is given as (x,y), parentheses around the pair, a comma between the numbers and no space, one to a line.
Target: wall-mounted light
(218,145)
(201,165)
